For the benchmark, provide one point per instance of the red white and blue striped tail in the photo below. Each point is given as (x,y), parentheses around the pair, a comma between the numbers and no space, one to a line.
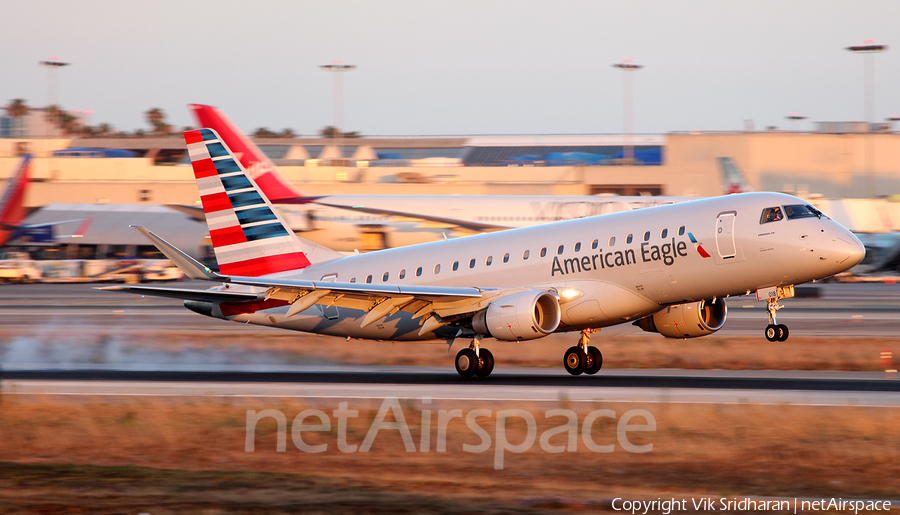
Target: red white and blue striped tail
(248,235)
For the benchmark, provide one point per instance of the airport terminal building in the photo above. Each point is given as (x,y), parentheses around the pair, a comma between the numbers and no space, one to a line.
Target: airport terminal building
(155,170)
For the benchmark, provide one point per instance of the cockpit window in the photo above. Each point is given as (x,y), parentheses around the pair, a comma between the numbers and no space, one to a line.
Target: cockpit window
(771,214)
(802,211)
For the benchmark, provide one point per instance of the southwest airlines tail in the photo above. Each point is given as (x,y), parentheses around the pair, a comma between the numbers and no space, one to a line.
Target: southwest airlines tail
(249,237)
(263,171)
(12,203)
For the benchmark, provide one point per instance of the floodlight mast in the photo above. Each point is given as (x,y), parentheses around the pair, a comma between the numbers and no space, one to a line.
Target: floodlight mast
(337,69)
(868,75)
(627,110)
(869,49)
(52,66)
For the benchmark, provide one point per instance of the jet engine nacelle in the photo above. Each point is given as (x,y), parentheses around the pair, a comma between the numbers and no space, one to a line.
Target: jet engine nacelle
(521,316)
(687,320)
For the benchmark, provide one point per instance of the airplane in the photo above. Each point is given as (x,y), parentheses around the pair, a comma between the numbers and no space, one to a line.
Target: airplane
(350,222)
(12,206)
(12,212)
(667,269)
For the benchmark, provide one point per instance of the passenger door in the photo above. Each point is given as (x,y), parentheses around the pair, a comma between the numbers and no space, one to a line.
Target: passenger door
(725,234)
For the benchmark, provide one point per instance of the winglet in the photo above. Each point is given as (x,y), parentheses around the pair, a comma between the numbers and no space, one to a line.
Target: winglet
(190,266)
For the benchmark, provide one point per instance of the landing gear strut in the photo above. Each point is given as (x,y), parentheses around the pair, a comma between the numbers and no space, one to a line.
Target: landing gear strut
(775,332)
(475,361)
(581,358)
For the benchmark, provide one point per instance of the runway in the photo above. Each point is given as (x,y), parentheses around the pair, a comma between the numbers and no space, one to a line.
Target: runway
(522,384)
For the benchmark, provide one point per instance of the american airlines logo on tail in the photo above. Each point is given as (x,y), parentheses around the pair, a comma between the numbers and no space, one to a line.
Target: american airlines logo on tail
(243,227)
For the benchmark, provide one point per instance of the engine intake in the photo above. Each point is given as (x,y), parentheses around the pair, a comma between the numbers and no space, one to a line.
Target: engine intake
(687,320)
(521,316)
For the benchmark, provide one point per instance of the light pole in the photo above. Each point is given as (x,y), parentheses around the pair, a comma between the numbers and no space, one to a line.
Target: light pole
(338,68)
(869,49)
(793,117)
(869,76)
(628,116)
(52,66)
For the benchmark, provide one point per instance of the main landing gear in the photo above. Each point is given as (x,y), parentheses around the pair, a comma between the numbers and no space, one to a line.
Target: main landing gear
(475,361)
(582,359)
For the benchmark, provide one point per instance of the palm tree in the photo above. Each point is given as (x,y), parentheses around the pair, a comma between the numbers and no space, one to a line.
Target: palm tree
(157,118)
(17,108)
(287,133)
(264,132)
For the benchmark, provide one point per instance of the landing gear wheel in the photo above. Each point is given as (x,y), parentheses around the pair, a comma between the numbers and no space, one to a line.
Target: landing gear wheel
(594,361)
(466,362)
(783,332)
(485,363)
(772,333)
(575,360)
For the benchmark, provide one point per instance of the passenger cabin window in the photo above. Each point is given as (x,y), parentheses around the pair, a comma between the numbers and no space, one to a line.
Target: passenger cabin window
(543,251)
(506,257)
(385,277)
(455,266)
(594,244)
(353,279)
(402,274)
(771,214)
(559,250)
(525,255)
(612,241)
(472,263)
(369,278)
(629,239)
(489,260)
(664,233)
(437,269)
(801,211)
(647,236)
(681,231)
(578,247)
(418,271)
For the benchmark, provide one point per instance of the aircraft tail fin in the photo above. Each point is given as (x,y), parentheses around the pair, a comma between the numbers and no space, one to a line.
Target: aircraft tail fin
(249,237)
(732,179)
(12,202)
(270,180)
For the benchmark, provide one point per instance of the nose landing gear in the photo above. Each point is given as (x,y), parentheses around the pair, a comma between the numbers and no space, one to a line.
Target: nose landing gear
(775,332)
(582,359)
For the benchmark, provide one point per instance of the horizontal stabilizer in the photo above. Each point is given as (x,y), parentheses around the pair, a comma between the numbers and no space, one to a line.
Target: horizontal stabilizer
(184,294)
(190,266)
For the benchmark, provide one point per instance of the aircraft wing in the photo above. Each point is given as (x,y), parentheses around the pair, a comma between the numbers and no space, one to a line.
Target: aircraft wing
(431,303)
(464,224)
(193,211)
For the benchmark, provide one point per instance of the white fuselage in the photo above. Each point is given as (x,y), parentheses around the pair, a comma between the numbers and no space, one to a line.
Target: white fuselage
(371,222)
(617,267)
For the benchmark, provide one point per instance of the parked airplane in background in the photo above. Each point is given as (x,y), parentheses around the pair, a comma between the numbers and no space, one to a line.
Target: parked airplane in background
(668,269)
(350,222)
(12,210)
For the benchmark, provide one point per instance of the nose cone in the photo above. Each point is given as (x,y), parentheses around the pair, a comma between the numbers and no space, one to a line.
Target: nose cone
(846,250)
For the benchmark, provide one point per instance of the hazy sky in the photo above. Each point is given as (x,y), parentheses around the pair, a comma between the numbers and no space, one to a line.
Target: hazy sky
(433,67)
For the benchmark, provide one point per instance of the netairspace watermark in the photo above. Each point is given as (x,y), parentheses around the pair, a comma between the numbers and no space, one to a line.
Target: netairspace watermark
(733,504)
(502,445)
